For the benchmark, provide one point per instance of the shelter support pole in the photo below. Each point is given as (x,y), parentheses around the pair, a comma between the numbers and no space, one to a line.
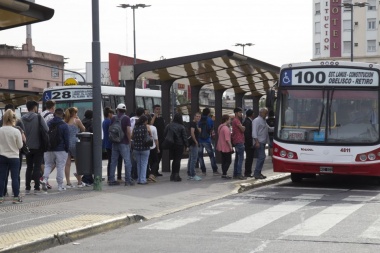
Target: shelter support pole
(218,120)
(194,100)
(239,99)
(256,105)
(165,110)
(130,96)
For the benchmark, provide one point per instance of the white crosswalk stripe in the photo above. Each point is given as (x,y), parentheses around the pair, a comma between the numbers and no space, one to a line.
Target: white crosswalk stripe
(323,221)
(263,218)
(373,231)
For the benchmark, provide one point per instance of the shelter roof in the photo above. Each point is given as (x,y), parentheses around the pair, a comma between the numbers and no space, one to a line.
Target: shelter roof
(214,70)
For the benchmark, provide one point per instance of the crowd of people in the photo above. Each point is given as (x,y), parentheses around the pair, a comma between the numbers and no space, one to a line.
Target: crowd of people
(141,138)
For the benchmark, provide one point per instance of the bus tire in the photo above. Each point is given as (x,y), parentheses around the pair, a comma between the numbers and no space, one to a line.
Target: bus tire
(296,177)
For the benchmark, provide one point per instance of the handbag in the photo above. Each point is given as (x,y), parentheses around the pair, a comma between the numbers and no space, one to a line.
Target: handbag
(148,140)
(25,149)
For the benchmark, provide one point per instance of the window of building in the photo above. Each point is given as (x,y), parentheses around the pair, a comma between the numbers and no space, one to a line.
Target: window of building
(371,5)
(26,83)
(371,45)
(54,72)
(346,46)
(56,84)
(317,8)
(346,25)
(48,84)
(11,84)
(317,27)
(317,48)
(371,23)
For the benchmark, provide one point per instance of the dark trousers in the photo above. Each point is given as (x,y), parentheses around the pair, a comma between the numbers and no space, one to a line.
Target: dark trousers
(159,157)
(119,164)
(176,153)
(152,163)
(226,162)
(11,164)
(33,168)
(19,179)
(249,154)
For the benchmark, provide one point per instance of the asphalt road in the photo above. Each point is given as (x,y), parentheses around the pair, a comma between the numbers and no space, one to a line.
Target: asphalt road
(327,214)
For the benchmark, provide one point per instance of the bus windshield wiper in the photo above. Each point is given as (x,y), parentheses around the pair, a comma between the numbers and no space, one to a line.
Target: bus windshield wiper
(323,110)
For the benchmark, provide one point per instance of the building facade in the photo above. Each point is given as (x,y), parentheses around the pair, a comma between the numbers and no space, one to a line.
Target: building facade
(332,30)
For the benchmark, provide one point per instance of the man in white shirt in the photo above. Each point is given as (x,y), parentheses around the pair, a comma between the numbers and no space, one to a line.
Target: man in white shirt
(48,114)
(260,137)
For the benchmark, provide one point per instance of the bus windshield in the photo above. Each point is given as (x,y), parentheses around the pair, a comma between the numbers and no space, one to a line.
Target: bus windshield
(81,105)
(328,116)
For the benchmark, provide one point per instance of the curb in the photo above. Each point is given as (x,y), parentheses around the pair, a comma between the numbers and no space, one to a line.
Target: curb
(69,236)
(271,180)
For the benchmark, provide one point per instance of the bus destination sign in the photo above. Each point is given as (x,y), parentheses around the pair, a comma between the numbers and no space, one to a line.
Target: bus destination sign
(67,94)
(329,76)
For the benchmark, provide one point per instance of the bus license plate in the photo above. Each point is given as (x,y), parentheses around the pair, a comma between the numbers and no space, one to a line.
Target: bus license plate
(326,169)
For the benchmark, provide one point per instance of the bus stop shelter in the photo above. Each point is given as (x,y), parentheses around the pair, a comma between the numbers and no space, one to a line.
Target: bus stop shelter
(218,71)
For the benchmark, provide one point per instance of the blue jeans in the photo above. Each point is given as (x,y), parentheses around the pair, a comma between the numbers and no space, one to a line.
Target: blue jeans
(11,164)
(142,158)
(210,152)
(239,158)
(260,159)
(124,151)
(193,156)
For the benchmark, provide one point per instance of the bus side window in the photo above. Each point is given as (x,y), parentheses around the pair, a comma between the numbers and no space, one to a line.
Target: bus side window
(113,101)
(148,103)
(106,101)
(139,102)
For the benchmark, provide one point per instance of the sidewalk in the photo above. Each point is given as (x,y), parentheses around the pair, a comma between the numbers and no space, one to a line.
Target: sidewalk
(49,219)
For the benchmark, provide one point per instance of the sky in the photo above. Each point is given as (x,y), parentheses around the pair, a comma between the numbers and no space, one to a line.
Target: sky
(281,30)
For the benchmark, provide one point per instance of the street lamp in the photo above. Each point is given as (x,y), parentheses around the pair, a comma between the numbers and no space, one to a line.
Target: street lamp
(243,45)
(133,7)
(351,7)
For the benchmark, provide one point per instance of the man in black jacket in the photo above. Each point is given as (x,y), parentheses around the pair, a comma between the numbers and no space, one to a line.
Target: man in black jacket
(249,147)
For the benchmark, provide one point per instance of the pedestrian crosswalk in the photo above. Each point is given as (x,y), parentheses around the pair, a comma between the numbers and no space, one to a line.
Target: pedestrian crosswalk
(307,214)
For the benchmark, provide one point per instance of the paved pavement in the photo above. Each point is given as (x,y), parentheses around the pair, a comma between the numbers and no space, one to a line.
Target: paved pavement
(49,219)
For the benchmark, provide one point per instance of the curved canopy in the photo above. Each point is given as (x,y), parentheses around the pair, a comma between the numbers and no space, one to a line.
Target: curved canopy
(219,70)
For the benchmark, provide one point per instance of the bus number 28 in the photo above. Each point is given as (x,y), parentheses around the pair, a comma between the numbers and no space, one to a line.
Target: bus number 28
(60,95)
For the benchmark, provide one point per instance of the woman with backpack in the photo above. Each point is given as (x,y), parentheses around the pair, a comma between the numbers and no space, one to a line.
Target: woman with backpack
(141,149)
(178,131)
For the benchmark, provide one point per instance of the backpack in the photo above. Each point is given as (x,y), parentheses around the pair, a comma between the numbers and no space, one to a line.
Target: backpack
(54,137)
(205,129)
(115,132)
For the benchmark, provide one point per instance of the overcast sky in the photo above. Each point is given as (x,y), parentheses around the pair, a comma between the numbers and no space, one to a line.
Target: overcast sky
(281,30)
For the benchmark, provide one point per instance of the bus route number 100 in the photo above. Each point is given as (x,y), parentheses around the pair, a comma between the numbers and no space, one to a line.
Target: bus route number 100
(310,77)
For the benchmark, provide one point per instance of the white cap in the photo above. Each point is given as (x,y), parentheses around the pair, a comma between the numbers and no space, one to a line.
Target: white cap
(121,106)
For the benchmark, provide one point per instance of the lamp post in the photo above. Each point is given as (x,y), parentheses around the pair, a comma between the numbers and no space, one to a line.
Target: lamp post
(133,7)
(243,45)
(351,7)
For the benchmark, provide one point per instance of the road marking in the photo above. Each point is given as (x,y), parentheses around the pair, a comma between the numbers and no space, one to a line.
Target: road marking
(323,221)
(309,196)
(263,218)
(359,198)
(171,223)
(373,231)
(22,221)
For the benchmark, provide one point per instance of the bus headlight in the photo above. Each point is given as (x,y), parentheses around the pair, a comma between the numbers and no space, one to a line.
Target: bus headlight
(290,155)
(371,156)
(282,153)
(363,157)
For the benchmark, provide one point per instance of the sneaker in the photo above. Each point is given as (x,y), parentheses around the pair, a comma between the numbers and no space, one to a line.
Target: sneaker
(240,177)
(70,186)
(132,183)
(197,178)
(152,178)
(48,186)
(216,173)
(37,191)
(81,185)
(113,183)
(190,178)
(204,173)
(226,177)
(17,200)
(158,174)
(1,200)
(27,192)
(61,188)
(43,183)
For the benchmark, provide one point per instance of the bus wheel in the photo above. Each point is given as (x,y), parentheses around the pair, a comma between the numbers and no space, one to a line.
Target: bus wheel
(296,177)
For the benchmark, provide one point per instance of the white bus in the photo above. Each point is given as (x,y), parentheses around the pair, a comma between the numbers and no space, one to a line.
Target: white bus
(80,96)
(327,119)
